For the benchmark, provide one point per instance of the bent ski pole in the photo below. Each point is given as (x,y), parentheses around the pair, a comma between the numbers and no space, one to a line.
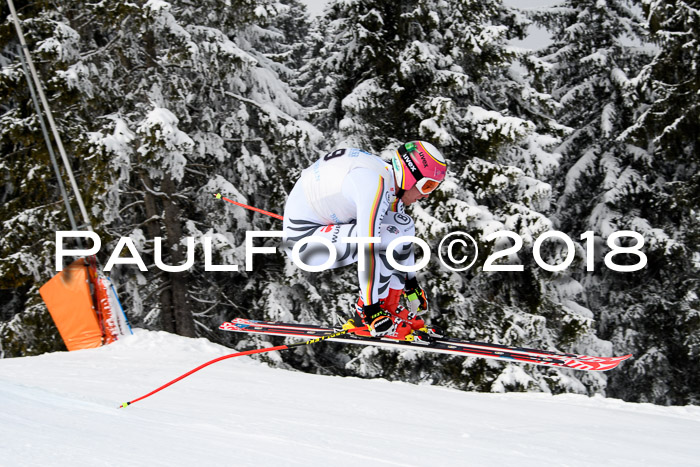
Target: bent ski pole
(271,214)
(247,352)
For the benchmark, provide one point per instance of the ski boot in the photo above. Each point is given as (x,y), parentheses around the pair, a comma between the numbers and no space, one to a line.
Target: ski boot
(406,325)
(422,331)
(402,331)
(398,312)
(399,331)
(381,321)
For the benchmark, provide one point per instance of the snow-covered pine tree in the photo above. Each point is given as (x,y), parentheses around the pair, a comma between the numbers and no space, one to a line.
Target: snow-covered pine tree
(176,102)
(289,46)
(224,83)
(610,182)
(656,313)
(387,72)
(32,208)
(596,46)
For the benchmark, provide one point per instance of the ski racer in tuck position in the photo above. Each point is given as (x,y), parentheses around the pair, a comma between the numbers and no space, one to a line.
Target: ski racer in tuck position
(350,193)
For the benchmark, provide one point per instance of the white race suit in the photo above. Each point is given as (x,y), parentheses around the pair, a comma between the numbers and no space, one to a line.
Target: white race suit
(351,193)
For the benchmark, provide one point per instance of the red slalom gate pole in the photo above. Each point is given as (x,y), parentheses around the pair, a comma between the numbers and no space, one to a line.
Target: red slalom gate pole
(271,214)
(240,354)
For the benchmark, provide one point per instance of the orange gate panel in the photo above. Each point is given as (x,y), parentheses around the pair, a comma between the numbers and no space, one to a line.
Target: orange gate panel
(69,300)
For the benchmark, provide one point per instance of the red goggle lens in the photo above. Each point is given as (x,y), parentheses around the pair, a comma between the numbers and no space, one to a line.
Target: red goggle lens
(427,185)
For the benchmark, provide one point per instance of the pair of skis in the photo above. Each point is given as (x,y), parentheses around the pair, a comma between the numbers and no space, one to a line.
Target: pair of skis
(313,334)
(444,345)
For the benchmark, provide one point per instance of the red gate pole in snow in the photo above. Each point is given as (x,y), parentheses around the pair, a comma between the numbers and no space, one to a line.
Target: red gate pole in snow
(240,354)
(247,352)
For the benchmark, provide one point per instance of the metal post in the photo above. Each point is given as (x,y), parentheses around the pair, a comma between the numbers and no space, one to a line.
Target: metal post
(49,116)
(52,155)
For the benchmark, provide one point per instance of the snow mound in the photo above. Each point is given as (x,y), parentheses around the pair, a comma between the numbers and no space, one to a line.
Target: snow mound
(60,409)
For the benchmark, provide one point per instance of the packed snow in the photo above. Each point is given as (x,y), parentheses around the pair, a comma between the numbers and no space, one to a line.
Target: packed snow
(62,409)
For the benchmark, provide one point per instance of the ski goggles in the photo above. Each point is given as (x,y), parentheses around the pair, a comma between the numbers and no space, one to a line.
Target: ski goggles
(427,185)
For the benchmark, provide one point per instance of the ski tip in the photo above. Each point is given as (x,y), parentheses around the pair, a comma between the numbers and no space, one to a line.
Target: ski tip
(620,359)
(125,404)
(217,195)
(614,362)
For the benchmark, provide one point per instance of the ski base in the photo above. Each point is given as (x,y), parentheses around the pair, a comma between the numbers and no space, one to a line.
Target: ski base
(443,345)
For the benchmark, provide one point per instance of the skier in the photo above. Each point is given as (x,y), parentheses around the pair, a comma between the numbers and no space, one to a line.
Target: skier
(350,194)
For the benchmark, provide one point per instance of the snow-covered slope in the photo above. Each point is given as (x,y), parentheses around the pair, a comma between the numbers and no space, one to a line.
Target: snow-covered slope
(61,409)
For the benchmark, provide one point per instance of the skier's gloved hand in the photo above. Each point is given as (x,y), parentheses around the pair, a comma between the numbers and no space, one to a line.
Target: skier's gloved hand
(378,321)
(417,300)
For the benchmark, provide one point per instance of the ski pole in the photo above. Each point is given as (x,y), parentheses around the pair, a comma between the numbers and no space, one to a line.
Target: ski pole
(271,214)
(247,352)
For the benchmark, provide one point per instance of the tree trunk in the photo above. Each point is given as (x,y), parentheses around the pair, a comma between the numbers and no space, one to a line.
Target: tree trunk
(177,291)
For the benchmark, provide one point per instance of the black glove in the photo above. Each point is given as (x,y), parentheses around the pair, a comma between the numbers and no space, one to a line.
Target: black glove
(378,321)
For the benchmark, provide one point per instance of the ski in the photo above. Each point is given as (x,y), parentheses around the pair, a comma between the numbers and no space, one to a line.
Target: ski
(443,345)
